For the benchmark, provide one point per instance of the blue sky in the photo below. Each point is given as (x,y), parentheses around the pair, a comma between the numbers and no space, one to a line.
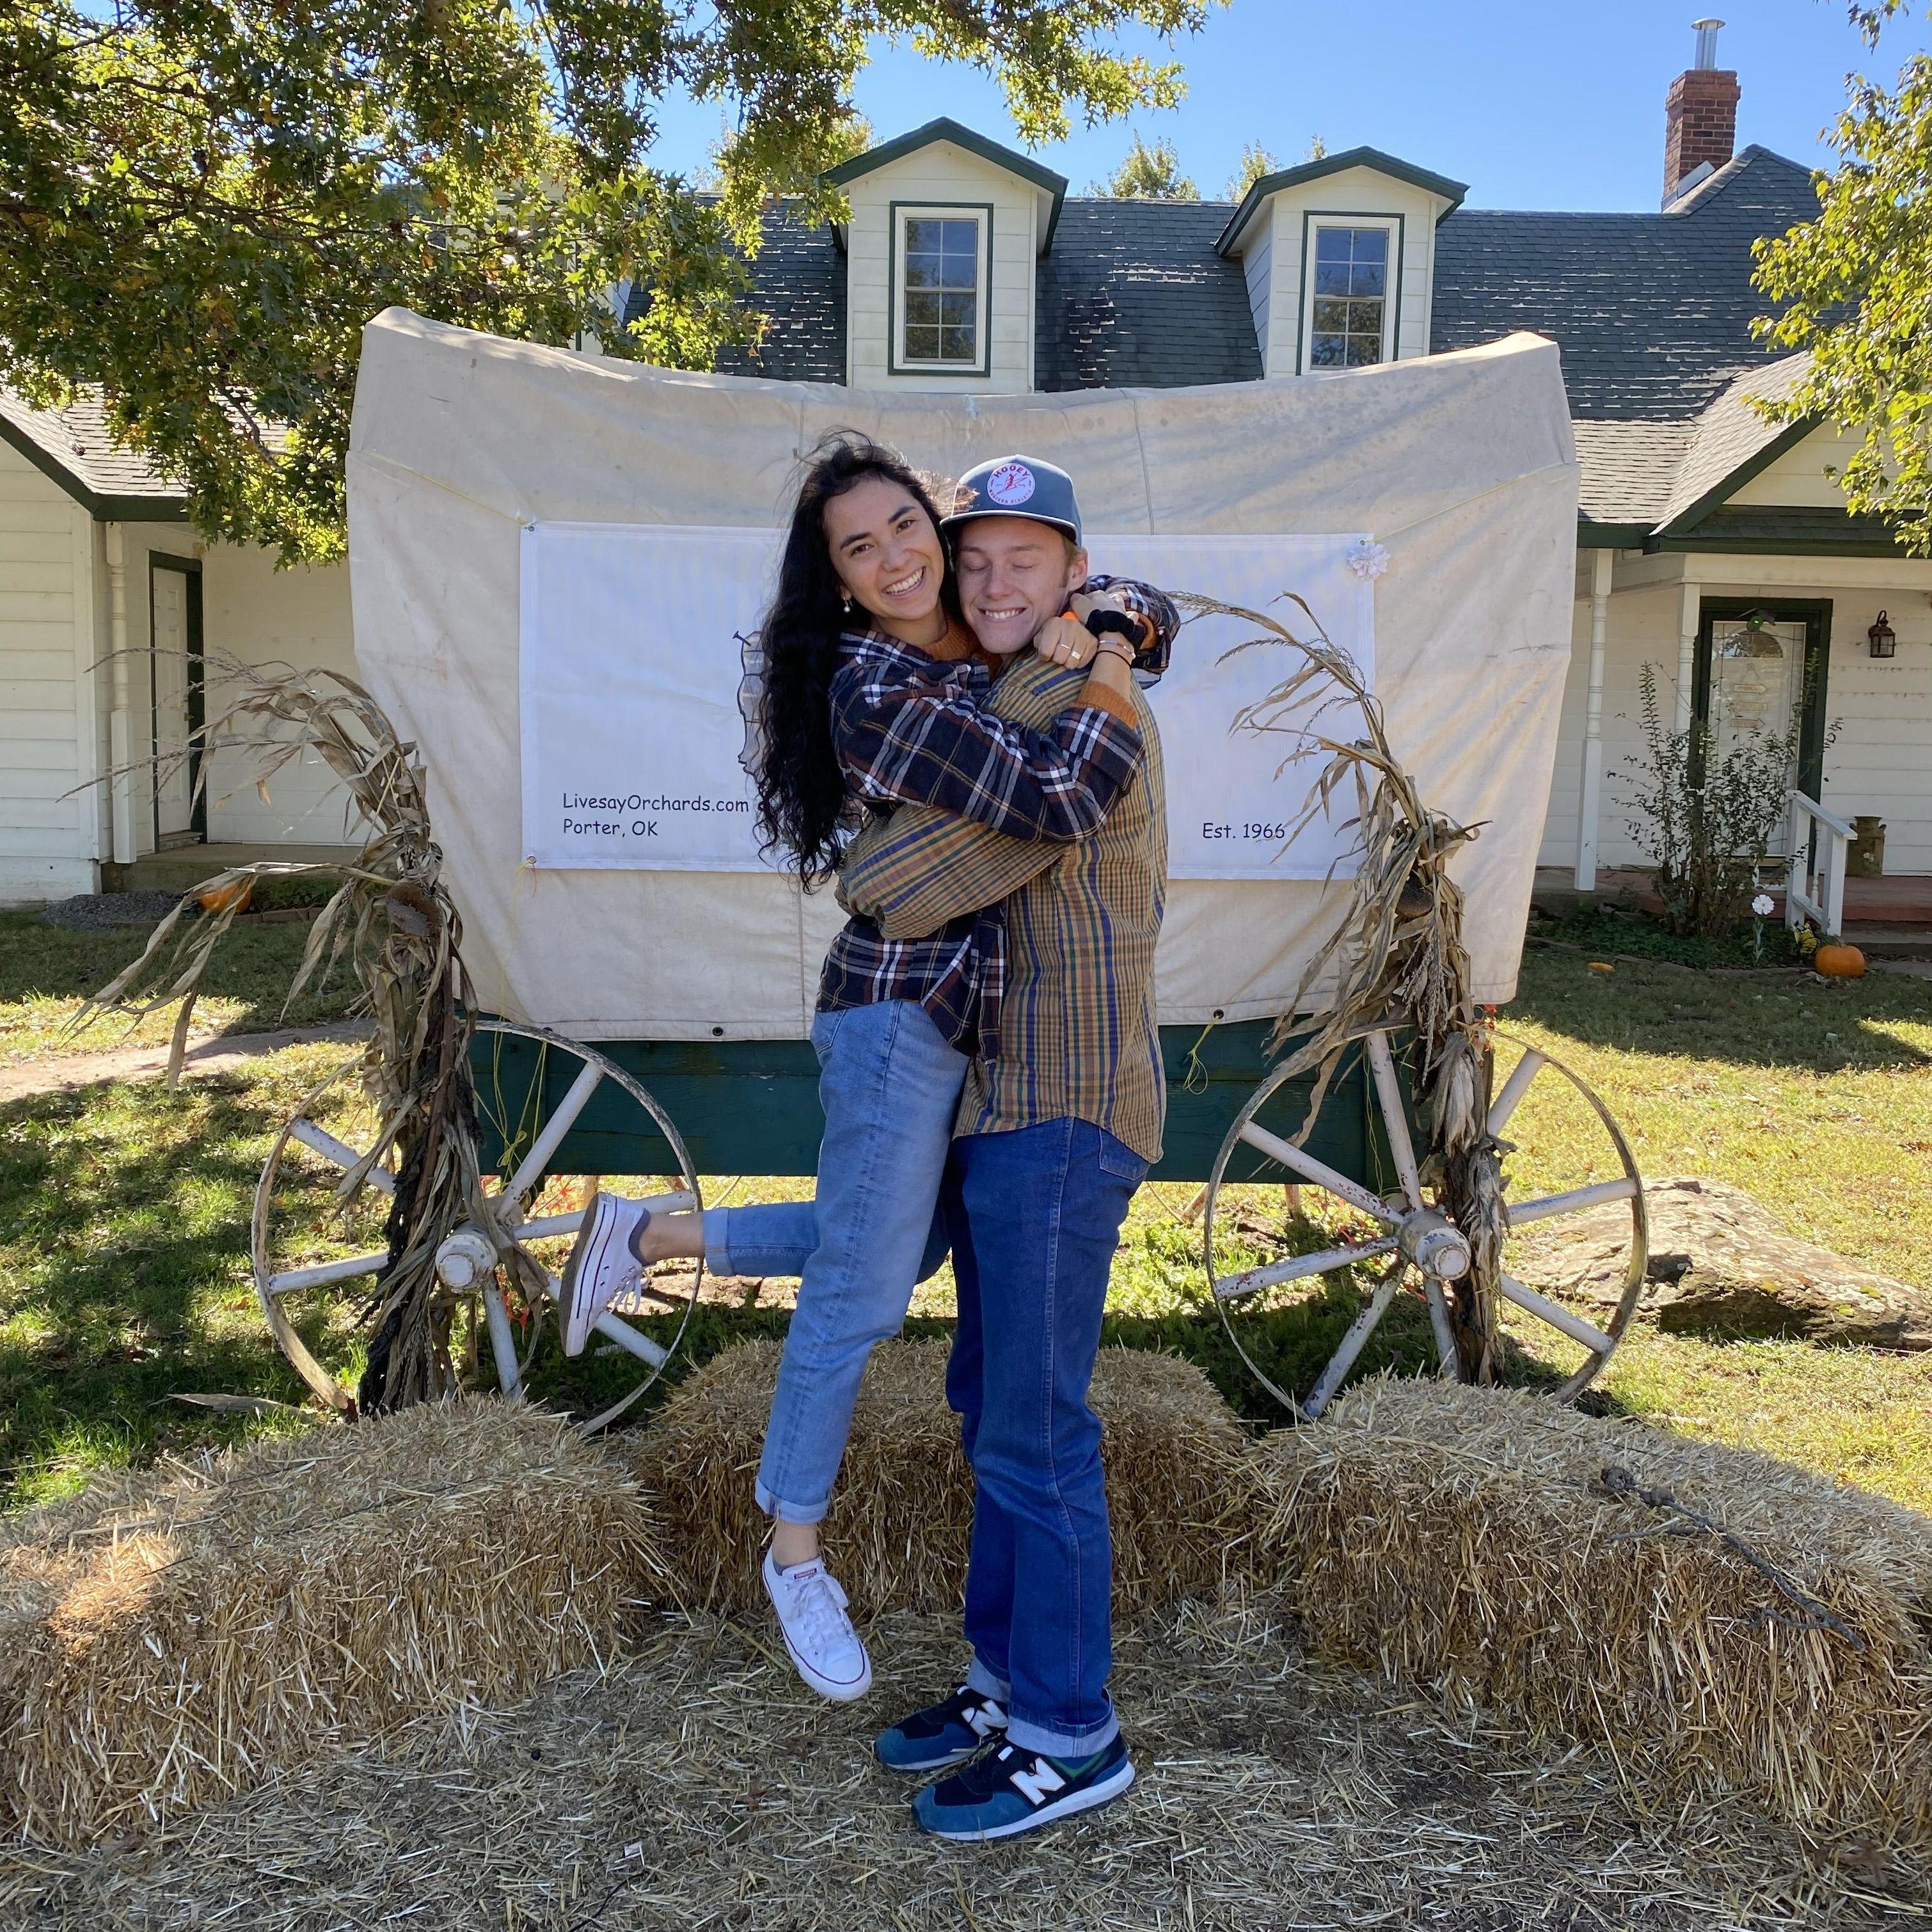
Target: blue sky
(1549,105)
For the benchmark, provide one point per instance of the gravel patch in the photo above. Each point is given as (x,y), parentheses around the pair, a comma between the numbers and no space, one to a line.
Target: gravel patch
(101,912)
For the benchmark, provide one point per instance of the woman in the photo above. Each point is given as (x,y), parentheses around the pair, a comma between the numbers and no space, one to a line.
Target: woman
(874,695)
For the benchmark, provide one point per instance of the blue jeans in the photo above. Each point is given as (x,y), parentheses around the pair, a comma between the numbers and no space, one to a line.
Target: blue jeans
(890,1084)
(1035,1217)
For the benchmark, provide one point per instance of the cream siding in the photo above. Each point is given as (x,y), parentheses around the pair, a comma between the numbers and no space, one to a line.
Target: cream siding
(1293,211)
(940,174)
(48,836)
(1797,477)
(1883,706)
(1258,265)
(252,613)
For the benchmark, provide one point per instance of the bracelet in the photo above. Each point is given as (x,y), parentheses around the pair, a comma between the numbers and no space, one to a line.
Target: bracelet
(1113,647)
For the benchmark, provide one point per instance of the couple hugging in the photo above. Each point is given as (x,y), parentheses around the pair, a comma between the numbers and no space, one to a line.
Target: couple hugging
(960,689)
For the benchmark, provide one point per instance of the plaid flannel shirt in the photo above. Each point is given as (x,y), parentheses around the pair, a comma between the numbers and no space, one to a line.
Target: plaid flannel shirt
(914,727)
(1077,1027)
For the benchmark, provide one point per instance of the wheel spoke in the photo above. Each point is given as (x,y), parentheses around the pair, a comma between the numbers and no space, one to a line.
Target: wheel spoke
(1310,1168)
(1395,1120)
(1297,1268)
(1506,1102)
(615,1328)
(1574,1202)
(325,1272)
(559,1124)
(319,1140)
(1574,1326)
(502,1341)
(1446,1357)
(1353,1343)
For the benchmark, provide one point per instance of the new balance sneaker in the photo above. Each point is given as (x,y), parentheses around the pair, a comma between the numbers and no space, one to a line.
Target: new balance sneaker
(942,1734)
(1010,1790)
(602,1266)
(818,1632)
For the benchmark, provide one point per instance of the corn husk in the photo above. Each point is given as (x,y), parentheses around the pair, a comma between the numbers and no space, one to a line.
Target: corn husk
(1712,1621)
(180,1635)
(1178,1490)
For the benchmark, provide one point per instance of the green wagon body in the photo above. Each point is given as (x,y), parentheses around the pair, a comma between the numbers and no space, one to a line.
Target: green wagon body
(752,1106)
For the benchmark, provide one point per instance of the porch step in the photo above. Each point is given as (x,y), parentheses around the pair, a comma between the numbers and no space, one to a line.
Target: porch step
(1890,941)
(185,866)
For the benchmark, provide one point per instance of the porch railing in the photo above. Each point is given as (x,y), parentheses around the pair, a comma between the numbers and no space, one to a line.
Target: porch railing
(1815,887)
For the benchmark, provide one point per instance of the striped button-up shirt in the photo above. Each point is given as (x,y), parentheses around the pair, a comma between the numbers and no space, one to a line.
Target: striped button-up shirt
(1078,1033)
(917,726)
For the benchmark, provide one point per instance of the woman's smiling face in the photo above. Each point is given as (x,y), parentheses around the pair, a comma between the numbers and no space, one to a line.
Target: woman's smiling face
(889,557)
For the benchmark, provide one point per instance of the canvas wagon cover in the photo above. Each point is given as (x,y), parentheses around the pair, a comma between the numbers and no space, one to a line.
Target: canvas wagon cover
(1461,465)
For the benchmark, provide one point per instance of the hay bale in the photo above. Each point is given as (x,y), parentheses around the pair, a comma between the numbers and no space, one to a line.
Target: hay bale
(1467,1540)
(178,1635)
(1178,1489)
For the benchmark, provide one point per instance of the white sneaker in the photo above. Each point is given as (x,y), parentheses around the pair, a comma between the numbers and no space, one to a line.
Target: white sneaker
(602,1266)
(818,1632)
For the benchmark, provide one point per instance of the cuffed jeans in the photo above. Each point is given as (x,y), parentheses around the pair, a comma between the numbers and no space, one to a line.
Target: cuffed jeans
(1035,1217)
(890,1084)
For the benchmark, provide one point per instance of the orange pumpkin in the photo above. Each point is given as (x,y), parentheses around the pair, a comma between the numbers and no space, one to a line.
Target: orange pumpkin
(220,898)
(1837,960)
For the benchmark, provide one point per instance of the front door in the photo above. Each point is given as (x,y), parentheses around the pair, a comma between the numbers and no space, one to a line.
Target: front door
(1759,662)
(174,606)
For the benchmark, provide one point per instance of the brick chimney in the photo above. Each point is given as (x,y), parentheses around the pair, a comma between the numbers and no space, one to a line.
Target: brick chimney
(1700,117)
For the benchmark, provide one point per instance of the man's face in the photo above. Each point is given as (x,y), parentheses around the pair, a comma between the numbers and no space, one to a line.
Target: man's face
(1014,574)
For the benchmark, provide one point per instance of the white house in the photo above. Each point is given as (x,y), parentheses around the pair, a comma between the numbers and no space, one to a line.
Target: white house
(966,266)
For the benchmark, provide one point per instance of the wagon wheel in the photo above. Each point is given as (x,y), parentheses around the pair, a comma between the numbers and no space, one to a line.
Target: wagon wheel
(316,1237)
(1410,1242)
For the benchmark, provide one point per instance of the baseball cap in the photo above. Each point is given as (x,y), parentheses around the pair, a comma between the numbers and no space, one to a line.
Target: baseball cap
(1017,486)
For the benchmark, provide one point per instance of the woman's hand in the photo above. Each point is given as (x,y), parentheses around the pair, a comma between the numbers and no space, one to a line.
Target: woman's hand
(1065,641)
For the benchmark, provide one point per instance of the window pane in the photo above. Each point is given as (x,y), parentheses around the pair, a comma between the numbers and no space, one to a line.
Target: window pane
(924,234)
(956,345)
(960,237)
(960,272)
(1363,349)
(923,308)
(1370,245)
(1331,316)
(1333,244)
(921,270)
(922,345)
(1328,352)
(956,310)
(1368,278)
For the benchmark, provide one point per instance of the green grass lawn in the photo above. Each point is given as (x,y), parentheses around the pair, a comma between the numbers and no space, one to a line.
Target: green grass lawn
(124,1278)
(44,970)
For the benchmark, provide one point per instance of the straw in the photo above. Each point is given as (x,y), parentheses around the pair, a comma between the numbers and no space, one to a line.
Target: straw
(1713,1621)
(179,1635)
(1178,1492)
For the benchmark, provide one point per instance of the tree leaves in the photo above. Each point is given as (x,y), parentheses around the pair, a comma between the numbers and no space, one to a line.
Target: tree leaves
(200,206)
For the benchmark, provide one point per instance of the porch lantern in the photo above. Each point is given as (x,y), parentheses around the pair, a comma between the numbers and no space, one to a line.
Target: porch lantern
(1884,638)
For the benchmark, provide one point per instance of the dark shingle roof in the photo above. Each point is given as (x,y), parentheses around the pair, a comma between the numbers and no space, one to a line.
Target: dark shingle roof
(1653,311)
(798,281)
(1133,295)
(75,447)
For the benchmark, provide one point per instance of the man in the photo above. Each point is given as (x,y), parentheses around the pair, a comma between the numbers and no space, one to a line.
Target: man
(1055,1133)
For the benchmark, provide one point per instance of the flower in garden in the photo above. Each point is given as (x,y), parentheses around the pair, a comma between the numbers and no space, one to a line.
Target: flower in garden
(1366,558)
(1762,906)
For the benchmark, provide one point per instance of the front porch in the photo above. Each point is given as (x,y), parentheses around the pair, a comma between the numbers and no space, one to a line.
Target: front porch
(174,868)
(1887,917)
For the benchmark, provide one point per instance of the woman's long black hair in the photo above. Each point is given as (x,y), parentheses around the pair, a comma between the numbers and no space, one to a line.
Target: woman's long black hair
(801,801)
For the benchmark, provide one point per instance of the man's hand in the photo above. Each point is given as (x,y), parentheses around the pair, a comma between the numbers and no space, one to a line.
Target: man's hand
(1083,603)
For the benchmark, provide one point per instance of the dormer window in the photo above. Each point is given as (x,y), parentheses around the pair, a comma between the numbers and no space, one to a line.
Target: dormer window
(1350,318)
(940,256)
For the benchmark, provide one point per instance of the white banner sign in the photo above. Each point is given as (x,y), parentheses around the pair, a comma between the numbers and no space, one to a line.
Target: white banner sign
(630,668)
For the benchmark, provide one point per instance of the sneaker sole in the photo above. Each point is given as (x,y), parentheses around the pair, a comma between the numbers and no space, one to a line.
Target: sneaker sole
(573,1341)
(1091,1799)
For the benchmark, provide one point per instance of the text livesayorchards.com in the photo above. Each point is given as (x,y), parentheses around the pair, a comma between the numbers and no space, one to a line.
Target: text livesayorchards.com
(634,814)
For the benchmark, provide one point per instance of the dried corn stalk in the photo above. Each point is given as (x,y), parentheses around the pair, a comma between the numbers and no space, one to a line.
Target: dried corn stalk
(393,921)
(1397,950)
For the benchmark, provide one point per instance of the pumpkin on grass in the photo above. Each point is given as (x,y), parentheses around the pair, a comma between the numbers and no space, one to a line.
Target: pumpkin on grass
(1837,961)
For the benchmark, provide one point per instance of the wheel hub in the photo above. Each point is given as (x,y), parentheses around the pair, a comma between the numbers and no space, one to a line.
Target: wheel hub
(464,1258)
(1435,1244)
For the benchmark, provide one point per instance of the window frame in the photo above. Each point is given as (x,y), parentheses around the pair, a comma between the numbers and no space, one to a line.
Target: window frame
(899,213)
(1313,219)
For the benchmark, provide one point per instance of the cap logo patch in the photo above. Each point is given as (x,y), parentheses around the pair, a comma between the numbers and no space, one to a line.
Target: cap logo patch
(1011,483)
